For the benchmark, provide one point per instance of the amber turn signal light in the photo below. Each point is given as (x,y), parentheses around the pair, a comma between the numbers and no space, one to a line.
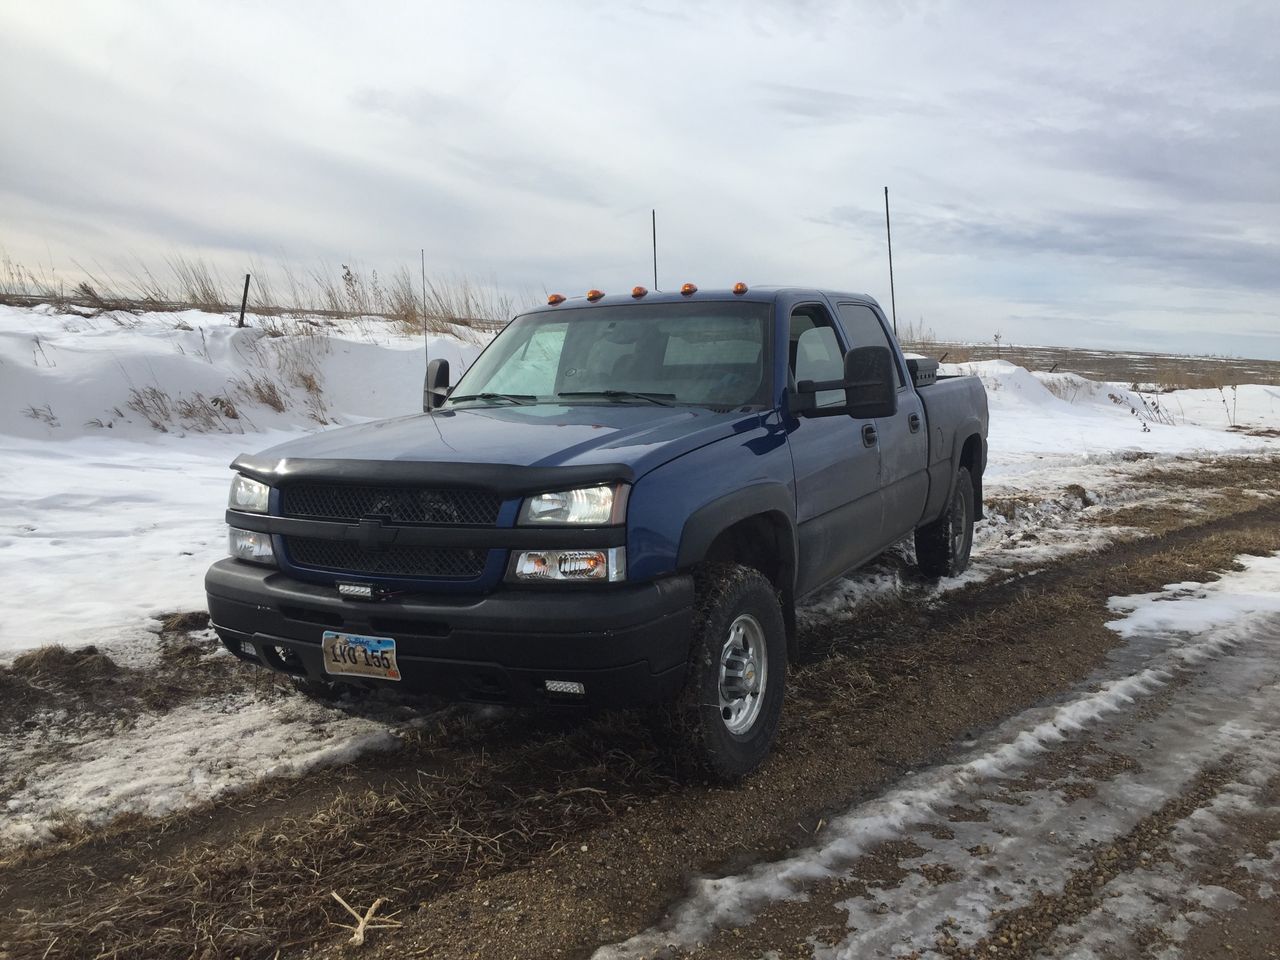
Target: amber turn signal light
(594,295)
(739,288)
(638,292)
(555,298)
(688,289)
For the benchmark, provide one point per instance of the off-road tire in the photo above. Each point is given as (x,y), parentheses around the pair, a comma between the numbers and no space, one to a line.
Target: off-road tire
(943,547)
(724,594)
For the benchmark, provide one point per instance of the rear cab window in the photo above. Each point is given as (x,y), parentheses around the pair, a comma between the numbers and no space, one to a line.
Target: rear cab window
(865,328)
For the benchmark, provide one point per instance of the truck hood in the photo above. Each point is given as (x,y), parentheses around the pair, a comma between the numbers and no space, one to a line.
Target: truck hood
(541,435)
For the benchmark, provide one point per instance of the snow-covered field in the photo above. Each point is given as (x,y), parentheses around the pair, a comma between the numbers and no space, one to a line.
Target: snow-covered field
(116,434)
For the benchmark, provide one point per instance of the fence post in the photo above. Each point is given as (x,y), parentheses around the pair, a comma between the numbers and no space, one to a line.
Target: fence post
(244,299)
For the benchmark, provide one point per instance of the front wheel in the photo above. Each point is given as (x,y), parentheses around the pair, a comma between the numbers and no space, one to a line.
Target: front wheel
(943,547)
(732,701)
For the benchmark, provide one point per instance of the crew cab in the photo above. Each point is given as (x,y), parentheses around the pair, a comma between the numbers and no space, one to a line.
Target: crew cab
(619,504)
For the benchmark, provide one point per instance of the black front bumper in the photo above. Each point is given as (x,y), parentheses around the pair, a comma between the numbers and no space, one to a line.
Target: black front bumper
(627,644)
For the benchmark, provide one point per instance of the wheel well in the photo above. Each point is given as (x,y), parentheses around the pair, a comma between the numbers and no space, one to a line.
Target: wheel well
(971,459)
(763,542)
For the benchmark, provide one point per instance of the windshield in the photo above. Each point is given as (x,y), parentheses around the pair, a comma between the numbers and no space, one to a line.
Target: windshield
(702,354)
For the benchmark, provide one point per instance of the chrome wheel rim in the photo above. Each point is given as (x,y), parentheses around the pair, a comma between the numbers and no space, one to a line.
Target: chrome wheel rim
(744,673)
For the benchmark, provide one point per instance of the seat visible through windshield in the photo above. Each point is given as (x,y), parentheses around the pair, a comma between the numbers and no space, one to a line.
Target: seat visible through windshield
(706,354)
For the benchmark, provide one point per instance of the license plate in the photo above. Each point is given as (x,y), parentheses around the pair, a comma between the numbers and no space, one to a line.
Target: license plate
(351,655)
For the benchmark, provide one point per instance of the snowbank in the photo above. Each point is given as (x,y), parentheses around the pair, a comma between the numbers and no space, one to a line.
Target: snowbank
(64,376)
(1062,413)
(116,435)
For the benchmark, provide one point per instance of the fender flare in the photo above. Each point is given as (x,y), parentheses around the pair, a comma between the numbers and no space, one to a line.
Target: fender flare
(710,520)
(969,427)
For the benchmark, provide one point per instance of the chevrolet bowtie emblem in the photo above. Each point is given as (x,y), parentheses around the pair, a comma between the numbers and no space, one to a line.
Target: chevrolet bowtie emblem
(373,534)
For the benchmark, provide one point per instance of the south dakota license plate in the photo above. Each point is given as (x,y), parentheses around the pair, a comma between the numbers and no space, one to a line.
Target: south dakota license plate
(352,655)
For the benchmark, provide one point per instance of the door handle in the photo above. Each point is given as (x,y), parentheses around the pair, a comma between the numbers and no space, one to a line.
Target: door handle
(913,422)
(869,435)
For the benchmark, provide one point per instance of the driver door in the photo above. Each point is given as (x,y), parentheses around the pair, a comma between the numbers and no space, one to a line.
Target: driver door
(837,463)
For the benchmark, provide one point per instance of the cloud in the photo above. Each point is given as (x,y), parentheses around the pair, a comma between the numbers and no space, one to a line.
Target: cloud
(1082,172)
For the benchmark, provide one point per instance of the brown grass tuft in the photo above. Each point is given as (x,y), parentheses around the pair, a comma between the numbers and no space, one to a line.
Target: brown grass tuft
(56,664)
(186,621)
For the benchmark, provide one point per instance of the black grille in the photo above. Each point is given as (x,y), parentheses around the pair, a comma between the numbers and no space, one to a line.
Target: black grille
(323,501)
(404,561)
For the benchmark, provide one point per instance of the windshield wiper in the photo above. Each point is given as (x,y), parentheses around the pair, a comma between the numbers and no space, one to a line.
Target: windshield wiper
(519,399)
(661,399)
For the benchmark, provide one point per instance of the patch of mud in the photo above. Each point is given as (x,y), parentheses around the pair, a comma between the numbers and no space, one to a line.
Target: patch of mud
(1029,861)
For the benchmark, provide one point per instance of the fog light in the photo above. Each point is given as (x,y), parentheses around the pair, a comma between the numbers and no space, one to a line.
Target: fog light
(572,687)
(355,591)
(250,545)
(247,648)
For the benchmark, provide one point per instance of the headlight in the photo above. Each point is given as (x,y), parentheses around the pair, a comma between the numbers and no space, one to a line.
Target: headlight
(569,566)
(248,495)
(587,506)
(250,545)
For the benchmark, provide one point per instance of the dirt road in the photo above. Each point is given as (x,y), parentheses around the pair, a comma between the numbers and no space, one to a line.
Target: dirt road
(956,768)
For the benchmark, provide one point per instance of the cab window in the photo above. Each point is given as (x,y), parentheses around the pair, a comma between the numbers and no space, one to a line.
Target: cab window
(864,329)
(815,350)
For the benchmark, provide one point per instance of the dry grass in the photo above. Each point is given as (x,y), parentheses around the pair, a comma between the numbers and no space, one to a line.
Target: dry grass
(918,338)
(1064,388)
(42,414)
(55,664)
(258,388)
(195,413)
(406,841)
(276,292)
(183,621)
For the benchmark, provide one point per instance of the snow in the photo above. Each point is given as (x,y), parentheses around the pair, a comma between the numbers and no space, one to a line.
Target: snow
(1085,421)
(66,376)
(161,763)
(101,534)
(1239,598)
(116,432)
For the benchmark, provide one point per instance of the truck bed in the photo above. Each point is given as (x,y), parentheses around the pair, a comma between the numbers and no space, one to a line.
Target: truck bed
(951,404)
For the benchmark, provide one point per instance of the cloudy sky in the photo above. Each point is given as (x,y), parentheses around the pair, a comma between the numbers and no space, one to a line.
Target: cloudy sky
(1100,174)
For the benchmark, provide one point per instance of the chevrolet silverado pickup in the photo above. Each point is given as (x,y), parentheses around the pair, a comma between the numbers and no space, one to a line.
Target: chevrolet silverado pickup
(619,504)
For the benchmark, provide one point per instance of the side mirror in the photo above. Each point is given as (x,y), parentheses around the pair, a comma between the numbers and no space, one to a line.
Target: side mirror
(870,387)
(435,389)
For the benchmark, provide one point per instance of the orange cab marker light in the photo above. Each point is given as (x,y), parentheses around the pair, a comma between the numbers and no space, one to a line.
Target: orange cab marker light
(555,299)
(638,292)
(688,290)
(594,295)
(739,288)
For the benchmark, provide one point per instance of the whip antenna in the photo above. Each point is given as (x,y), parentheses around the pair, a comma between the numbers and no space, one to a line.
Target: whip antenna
(654,214)
(893,300)
(426,342)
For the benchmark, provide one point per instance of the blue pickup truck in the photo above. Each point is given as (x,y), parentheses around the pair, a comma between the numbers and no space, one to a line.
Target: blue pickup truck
(619,504)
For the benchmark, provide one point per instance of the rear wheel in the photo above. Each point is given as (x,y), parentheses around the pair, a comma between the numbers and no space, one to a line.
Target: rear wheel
(943,547)
(732,701)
